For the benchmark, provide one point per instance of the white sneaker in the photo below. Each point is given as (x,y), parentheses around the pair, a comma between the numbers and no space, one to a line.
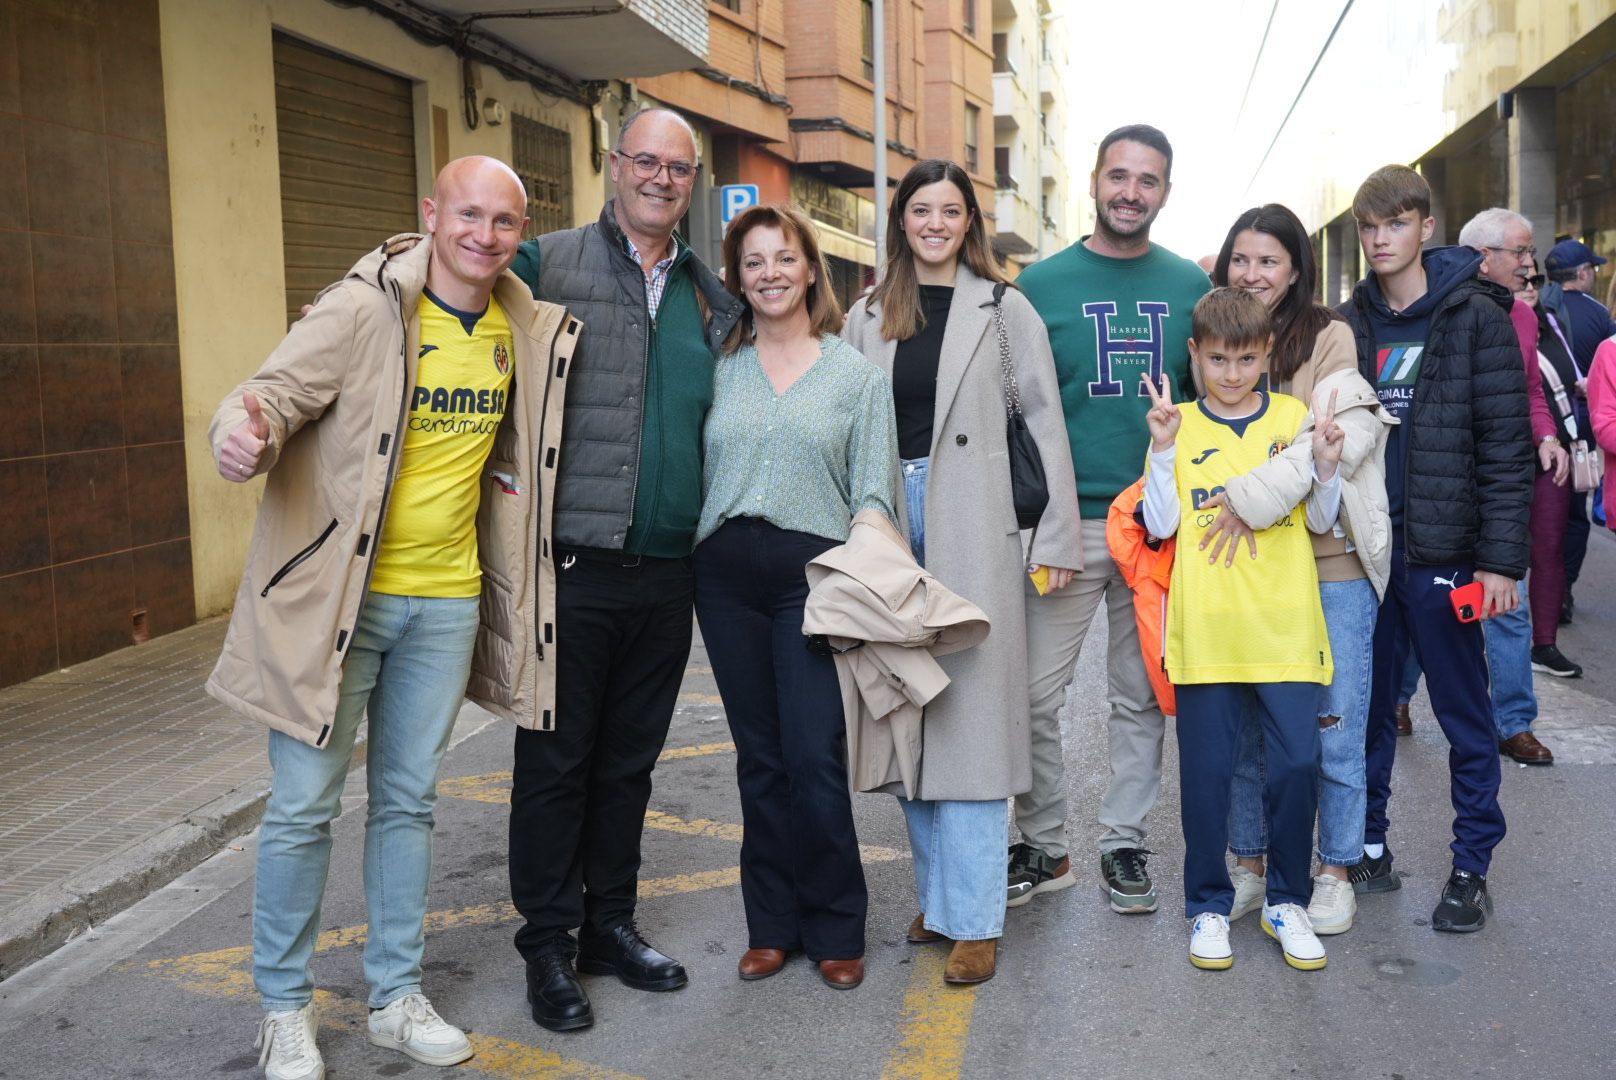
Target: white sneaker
(1249,892)
(411,1025)
(286,1044)
(1332,907)
(1288,925)
(1209,942)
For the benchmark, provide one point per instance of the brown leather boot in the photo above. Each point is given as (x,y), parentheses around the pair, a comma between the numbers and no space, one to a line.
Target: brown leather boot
(1405,722)
(972,962)
(919,935)
(761,963)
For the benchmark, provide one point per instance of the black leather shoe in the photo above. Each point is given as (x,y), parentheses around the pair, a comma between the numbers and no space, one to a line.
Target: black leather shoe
(1465,904)
(558,1000)
(624,953)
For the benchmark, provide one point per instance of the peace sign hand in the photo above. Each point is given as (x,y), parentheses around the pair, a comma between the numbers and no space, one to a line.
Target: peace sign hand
(1163,416)
(1327,440)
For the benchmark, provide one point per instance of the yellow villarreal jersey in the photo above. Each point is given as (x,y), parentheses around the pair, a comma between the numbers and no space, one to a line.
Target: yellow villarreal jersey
(1258,621)
(429,541)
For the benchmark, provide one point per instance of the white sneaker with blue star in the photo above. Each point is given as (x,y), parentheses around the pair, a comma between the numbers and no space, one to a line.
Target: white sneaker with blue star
(1288,925)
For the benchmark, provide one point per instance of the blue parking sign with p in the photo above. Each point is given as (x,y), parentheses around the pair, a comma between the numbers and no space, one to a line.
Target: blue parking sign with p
(733,199)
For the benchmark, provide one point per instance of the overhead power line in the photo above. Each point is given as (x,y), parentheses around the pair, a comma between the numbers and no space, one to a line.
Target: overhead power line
(1297,100)
(1261,45)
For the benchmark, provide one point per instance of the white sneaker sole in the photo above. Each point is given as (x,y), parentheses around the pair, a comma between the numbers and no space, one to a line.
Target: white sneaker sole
(449,1057)
(1054,884)
(1140,905)
(1322,929)
(1556,672)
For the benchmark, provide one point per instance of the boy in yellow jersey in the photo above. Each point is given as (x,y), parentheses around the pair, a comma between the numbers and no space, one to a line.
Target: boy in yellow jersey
(1247,636)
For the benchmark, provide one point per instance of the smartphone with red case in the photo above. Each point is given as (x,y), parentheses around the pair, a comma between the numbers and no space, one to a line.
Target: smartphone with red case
(1467,601)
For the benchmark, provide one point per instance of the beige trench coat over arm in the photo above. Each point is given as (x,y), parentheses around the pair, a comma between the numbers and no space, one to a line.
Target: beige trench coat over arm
(888,620)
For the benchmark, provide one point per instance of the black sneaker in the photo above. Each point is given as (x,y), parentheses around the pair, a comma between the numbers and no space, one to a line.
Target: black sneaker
(1033,872)
(1374,875)
(1551,661)
(1464,906)
(1127,882)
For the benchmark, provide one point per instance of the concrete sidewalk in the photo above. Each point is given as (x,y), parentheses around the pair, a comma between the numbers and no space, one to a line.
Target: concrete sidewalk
(116,776)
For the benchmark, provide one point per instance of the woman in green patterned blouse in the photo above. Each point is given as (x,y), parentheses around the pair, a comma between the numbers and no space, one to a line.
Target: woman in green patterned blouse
(800,437)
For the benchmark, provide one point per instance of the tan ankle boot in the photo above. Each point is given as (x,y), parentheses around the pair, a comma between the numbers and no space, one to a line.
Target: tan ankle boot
(971,962)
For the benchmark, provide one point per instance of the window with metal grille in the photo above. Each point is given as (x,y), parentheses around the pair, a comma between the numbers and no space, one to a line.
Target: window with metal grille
(542,157)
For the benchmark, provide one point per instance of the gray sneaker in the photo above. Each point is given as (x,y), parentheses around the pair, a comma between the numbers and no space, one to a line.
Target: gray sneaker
(1126,881)
(1033,872)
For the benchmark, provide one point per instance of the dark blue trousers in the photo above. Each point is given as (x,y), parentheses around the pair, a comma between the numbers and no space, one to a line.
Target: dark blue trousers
(1209,718)
(802,883)
(1453,655)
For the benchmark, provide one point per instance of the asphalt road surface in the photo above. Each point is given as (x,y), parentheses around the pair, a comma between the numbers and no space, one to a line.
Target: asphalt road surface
(164,990)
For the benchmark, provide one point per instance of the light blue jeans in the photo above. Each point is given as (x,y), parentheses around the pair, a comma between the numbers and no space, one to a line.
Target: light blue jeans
(407,666)
(958,845)
(958,848)
(1350,609)
(1509,667)
(915,471)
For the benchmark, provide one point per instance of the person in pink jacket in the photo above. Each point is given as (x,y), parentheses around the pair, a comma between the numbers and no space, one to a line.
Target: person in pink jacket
(1602,409)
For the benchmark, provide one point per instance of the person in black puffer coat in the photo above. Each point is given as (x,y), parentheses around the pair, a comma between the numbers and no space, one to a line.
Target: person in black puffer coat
(1446,362)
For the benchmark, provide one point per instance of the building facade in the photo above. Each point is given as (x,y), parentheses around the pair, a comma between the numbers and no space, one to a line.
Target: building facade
(1497,103)
(175,186)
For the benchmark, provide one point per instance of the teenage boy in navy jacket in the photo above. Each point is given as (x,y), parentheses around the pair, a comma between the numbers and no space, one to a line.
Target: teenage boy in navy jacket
(1437,343)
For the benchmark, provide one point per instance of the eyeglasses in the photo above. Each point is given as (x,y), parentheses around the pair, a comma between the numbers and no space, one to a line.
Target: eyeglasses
(1535,280)
(1518,252)
(647,167)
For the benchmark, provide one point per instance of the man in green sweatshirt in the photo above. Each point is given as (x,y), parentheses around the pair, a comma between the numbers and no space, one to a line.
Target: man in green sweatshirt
(1117,307)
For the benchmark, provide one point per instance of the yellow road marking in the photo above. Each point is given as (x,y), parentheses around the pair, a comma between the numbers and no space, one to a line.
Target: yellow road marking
(717,830)
(936,1023)
(495,787)
(678,753)
(494,1056)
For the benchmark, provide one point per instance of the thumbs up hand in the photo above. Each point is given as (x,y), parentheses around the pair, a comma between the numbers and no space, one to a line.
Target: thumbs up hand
(238,459)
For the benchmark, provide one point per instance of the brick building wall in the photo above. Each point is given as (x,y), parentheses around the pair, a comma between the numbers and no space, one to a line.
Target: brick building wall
(95,545)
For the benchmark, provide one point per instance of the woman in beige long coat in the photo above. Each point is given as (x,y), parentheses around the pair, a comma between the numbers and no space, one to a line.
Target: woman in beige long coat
(931,324)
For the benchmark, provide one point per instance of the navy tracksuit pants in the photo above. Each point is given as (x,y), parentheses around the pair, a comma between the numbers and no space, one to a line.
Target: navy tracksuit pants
(1416,611)
(1209,719)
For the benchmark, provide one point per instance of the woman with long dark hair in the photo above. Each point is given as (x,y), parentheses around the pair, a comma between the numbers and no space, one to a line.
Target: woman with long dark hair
(798,440)
(944,325)
(1314,358)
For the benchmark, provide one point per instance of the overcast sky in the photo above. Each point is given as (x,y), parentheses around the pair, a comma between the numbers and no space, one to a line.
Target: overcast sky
(1375,98)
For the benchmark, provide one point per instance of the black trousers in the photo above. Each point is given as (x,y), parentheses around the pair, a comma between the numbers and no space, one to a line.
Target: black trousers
(579,793)
(802,883)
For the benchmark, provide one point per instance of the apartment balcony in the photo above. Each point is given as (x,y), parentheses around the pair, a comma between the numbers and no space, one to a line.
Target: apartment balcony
(626,38)
(1010,102)
(1018,223)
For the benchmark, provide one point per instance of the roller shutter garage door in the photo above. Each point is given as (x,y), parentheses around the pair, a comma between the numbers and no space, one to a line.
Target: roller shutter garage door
(347,147)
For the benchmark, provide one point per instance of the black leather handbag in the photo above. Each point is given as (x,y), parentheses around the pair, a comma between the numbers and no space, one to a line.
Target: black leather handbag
(1029,489)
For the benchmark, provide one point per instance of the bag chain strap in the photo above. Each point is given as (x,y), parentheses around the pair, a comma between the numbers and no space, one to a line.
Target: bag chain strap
(1012,392)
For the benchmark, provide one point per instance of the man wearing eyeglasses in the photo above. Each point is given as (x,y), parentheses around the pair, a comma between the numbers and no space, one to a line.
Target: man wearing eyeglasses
(627,497)
(1504,239)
